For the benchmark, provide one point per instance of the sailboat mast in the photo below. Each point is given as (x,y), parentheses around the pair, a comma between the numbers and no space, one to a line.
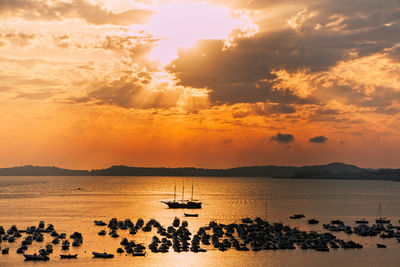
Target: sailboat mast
(183,189)
(175,191)
(379,213)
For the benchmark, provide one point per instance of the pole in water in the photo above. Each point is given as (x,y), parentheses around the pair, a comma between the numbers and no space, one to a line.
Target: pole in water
(175,191)
(183,189)
(192,189)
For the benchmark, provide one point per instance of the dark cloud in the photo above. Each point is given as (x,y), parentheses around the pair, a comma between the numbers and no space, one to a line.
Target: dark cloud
(279,109)
(60,10)
(318,139)
(328,32)
(235,75)
(325,114)
(283,138)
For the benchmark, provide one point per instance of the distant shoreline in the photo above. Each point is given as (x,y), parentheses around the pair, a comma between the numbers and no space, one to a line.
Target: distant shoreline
(336,170)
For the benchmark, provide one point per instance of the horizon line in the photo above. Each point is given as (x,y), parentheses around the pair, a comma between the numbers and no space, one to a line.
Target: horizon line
(192,167)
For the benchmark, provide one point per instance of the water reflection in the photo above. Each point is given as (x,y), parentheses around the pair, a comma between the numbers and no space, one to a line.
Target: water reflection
(25,201)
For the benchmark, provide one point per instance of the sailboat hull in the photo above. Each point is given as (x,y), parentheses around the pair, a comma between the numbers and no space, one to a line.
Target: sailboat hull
(183,205)
(382,220)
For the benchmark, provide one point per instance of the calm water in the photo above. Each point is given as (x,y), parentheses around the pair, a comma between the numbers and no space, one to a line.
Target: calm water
(24,201)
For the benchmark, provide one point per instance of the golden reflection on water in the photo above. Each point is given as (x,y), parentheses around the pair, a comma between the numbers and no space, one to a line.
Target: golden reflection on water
(25,201)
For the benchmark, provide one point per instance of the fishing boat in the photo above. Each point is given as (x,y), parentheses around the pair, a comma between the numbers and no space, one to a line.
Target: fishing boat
(183,204)
(102,255)
(191,215)
(35,257)
(379,218)
(297,216)
(313,221)
(134,254)
(68,256)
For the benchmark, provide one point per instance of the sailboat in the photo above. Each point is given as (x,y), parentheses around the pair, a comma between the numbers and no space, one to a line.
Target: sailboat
(183,204)
(379,218)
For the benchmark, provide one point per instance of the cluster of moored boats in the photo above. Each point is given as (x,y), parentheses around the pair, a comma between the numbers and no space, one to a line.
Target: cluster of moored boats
(36,234)
(248,234)
(382,228)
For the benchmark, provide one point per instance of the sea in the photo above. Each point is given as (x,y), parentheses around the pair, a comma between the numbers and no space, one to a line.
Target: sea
(73,203)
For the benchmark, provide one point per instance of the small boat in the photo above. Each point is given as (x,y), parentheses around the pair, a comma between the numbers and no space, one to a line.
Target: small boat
(176,222)
(65,245)
(313,221)
(382,220)
(35,257)
(337,221)
(325,249)
(297,216)
(379,218)
(102,255)
(139,254)
(380,246)
(68,256)
(99,223)
(191,215)
(362,221)
(102,232)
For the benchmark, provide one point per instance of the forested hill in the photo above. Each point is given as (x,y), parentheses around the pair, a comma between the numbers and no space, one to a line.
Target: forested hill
(335,170)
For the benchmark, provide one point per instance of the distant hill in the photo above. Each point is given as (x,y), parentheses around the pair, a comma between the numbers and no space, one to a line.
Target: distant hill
(335,167)
(29,170)
(335,170)
(265,171)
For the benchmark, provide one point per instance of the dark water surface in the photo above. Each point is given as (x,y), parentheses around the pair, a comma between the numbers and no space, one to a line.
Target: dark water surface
(72,203)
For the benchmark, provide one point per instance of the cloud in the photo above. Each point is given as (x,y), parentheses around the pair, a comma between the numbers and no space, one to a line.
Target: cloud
(323,35)
(39,95)
(283,138)
(318,139)
(241,74)
(18,38)
(135,46)
(60,10)
(128,92)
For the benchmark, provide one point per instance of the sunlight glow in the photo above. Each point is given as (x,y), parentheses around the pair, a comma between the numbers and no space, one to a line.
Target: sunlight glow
(181,24)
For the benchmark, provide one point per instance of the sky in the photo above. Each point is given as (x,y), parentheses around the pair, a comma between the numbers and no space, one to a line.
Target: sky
(87,84)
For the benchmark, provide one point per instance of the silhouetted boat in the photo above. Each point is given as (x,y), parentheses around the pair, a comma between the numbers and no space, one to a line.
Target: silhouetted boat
(379,218)
(191,215)
(139,254)
(68,256)
(380,246)
(183,204)
(35,257)
(297,216)
(102,255)
(362,221)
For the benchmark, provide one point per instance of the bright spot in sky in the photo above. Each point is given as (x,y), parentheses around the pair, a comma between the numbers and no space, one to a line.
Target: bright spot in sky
(180,25)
